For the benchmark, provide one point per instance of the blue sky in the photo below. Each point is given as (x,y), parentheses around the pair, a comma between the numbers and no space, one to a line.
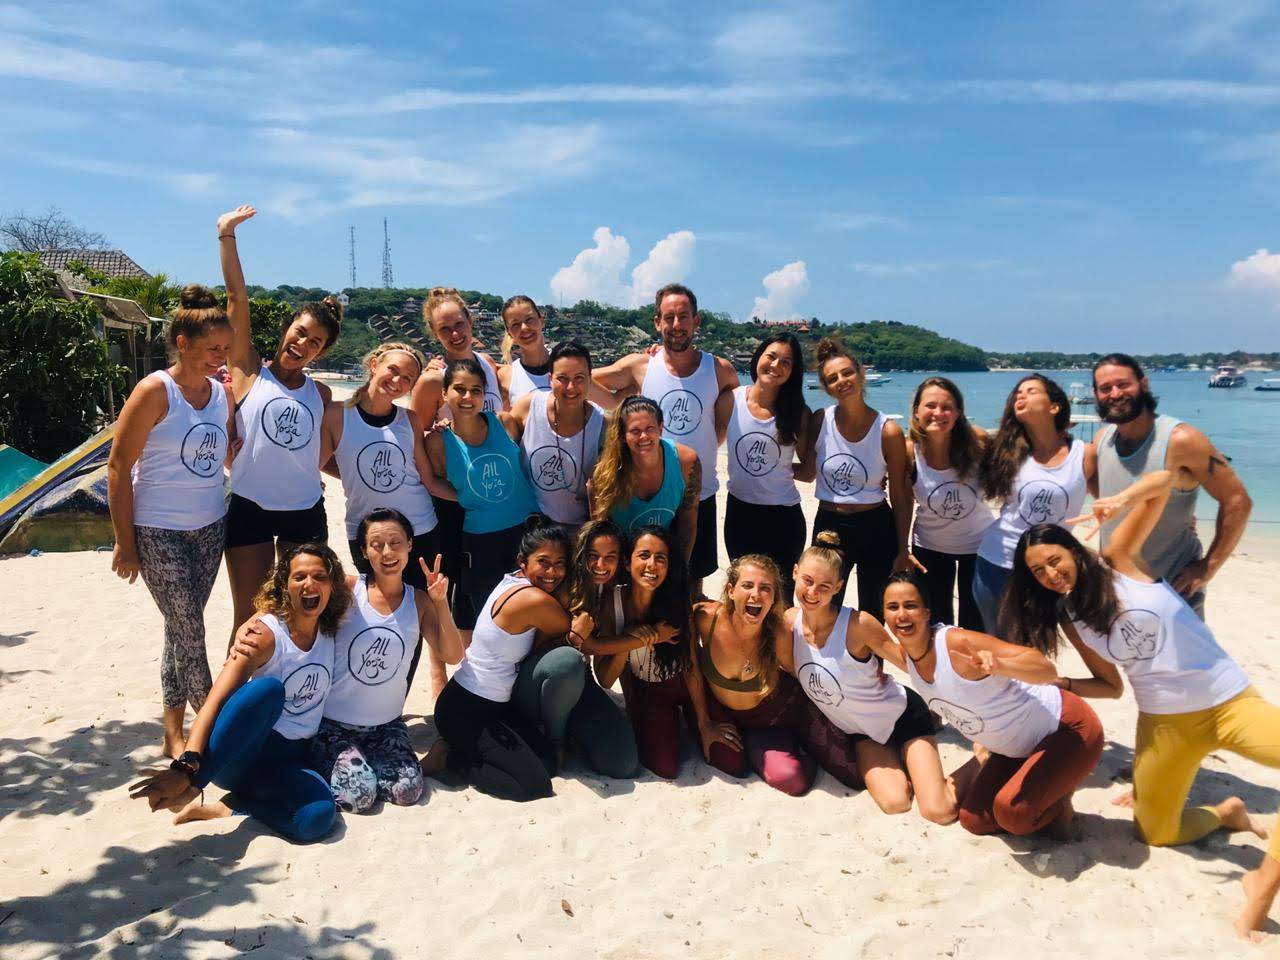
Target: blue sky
(1018,175)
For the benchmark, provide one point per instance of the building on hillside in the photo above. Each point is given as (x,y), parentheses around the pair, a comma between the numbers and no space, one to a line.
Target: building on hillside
(113,263)
(796,326)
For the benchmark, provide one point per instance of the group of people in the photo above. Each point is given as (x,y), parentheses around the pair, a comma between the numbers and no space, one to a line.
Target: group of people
(546,526)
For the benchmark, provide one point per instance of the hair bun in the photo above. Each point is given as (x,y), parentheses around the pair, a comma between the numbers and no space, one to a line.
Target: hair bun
(827,538)
(197,297)
(536,521)
(335,305)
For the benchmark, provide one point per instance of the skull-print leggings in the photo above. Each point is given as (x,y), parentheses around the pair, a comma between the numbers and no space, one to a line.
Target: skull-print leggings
(364,764)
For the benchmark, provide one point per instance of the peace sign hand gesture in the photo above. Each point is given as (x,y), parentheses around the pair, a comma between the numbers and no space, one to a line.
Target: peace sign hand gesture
(437,582)
(1099,512)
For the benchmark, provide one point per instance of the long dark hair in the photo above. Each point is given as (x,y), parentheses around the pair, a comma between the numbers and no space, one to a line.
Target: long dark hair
(915,579)
(583,595)
(966,447)
(790,404)
(670,603)
(539,531)
(1006,453)
(1030,613)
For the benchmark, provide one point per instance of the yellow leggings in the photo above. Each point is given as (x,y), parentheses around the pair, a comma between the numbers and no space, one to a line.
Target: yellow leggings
(1169,750)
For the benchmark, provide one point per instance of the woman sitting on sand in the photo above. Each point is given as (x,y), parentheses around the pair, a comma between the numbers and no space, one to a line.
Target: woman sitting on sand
(252,735)
(1038,739)
(765,723)
(828,650)
(1193,699)
(164,485)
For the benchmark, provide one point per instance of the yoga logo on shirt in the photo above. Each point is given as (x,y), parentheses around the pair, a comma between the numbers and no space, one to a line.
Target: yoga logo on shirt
(491,478)
(820,684)
(845,474)
(381,466)
(1135,635)
(1042,501)
(203,449)
(492,402)
(304,689)
(757,453)
(654,516)
(287,423)
(553,468)
(375,655)
(962,718)
(681,412)
(952,501)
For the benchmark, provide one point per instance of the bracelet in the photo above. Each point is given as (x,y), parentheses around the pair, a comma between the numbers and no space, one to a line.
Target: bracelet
(1068,679)
(226,236)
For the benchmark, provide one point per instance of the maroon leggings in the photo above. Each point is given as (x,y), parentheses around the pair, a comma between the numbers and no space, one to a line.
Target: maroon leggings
(654,712)
(1021,795)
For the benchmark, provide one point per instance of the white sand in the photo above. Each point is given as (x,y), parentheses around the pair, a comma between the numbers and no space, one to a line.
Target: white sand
(707,867)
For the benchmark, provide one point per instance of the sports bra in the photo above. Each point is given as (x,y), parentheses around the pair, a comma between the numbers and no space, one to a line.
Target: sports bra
(715,677)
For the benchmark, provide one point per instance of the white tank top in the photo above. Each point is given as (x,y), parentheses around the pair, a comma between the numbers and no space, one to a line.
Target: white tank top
(1006,716)
(951,516)
(760,467)
(640,660)
(278,468)
(850,472)
(305,675)
(492,661)
(559,466)
(1040,495)
(688,410)
(177,481)
(522,381)
(848,691)
(1169,654)
(372,656)
(379,470)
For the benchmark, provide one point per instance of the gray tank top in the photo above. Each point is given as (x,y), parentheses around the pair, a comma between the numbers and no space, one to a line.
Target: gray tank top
(1173,543)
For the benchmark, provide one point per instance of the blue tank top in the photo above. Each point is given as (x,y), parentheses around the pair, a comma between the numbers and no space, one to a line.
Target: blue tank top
(490,479)
(661,508)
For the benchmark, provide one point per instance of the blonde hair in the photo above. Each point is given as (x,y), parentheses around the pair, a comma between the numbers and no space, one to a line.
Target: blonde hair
(826,549)
(611,479)
(766,654)
(371,359)
(437,297)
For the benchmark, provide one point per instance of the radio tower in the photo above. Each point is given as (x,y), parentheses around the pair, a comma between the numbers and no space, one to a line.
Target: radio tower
(353,257)
(386,256)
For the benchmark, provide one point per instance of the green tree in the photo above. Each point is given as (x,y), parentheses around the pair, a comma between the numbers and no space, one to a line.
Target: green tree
(54,369)
(267,318)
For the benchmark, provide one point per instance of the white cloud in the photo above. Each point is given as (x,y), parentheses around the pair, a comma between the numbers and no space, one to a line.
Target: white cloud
(765,38)
(187,183)
(850,222)
(596,273)
(36,60)
(896,269)
(785,286)
(1259,272)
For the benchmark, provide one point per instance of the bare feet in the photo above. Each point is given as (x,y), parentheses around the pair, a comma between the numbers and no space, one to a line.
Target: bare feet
(1258,897)
(174,744)
(195,810)
(435,759)
(1123,800)
(1059,828)
(1236,818)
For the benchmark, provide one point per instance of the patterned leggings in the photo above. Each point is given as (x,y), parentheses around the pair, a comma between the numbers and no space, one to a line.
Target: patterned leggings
(364,764)
(179,568)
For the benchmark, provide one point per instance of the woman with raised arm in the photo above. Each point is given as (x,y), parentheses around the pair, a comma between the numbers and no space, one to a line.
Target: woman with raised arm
(1041,740)
(763,514)
(856,449)
(832,653)
(481,735)
(561,435)
(943,454)
(479,454)
(642,479)
(1037,472)
(252,736)
(530,370)
(276,495)
(164,486)
(1193,699)
(768,725)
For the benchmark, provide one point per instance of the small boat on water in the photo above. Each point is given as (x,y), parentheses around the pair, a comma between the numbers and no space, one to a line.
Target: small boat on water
(1269,385)
(1227,377)
(874,379)
(1079,395)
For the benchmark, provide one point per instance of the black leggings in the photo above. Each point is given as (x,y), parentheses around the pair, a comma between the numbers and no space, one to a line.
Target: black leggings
(868,540)
(775,530)
(488,558)
(486,749)
(942,570)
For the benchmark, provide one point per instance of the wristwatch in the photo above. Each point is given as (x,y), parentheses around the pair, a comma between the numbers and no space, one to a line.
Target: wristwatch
(188,763)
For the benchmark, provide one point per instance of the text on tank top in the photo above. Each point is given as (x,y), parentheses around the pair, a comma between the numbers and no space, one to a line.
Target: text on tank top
(373,654)
(660,509)
(848,691)
(306,675)
(1006,716)
(559,466)
(177,479)
(951,516)
(850,471)
(379,469)
(761,468)
(522,381)
(688,407)
(1169,654)
(278,467)
(1172,543)
(1040,495)
(490,665)
(489,478)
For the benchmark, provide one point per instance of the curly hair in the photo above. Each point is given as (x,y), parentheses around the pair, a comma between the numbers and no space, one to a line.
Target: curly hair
(273,597)
(611,479)
(965,447)
(766,653)
(583,595)
(1010,447)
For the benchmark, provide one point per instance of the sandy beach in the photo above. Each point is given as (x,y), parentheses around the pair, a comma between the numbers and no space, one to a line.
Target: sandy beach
(705,867)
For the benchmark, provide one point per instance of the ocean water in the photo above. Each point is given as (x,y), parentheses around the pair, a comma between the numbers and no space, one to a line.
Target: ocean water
(1243,423)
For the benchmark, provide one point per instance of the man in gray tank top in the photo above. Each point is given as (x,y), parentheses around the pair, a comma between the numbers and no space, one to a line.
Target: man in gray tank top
(1138,441)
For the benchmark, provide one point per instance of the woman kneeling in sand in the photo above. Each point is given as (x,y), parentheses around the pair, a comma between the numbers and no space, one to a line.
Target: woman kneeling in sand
(251,737)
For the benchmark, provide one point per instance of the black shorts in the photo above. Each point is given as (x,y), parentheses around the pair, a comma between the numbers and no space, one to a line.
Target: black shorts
(916,721)
(249,524)
(705,559)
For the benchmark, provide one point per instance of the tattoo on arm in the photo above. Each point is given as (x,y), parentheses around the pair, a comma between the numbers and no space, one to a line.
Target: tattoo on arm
(1217,461)
(692,486)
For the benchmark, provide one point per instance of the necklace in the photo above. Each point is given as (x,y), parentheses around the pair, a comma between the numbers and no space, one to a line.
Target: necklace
(579,493)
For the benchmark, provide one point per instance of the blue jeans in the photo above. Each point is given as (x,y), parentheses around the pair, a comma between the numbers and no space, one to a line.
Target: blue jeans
(988,586)
(266,773)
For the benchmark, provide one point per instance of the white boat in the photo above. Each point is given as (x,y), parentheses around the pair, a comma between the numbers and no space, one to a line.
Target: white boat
(874,379)
(1227,377)
(1079,395)
(1269,385)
